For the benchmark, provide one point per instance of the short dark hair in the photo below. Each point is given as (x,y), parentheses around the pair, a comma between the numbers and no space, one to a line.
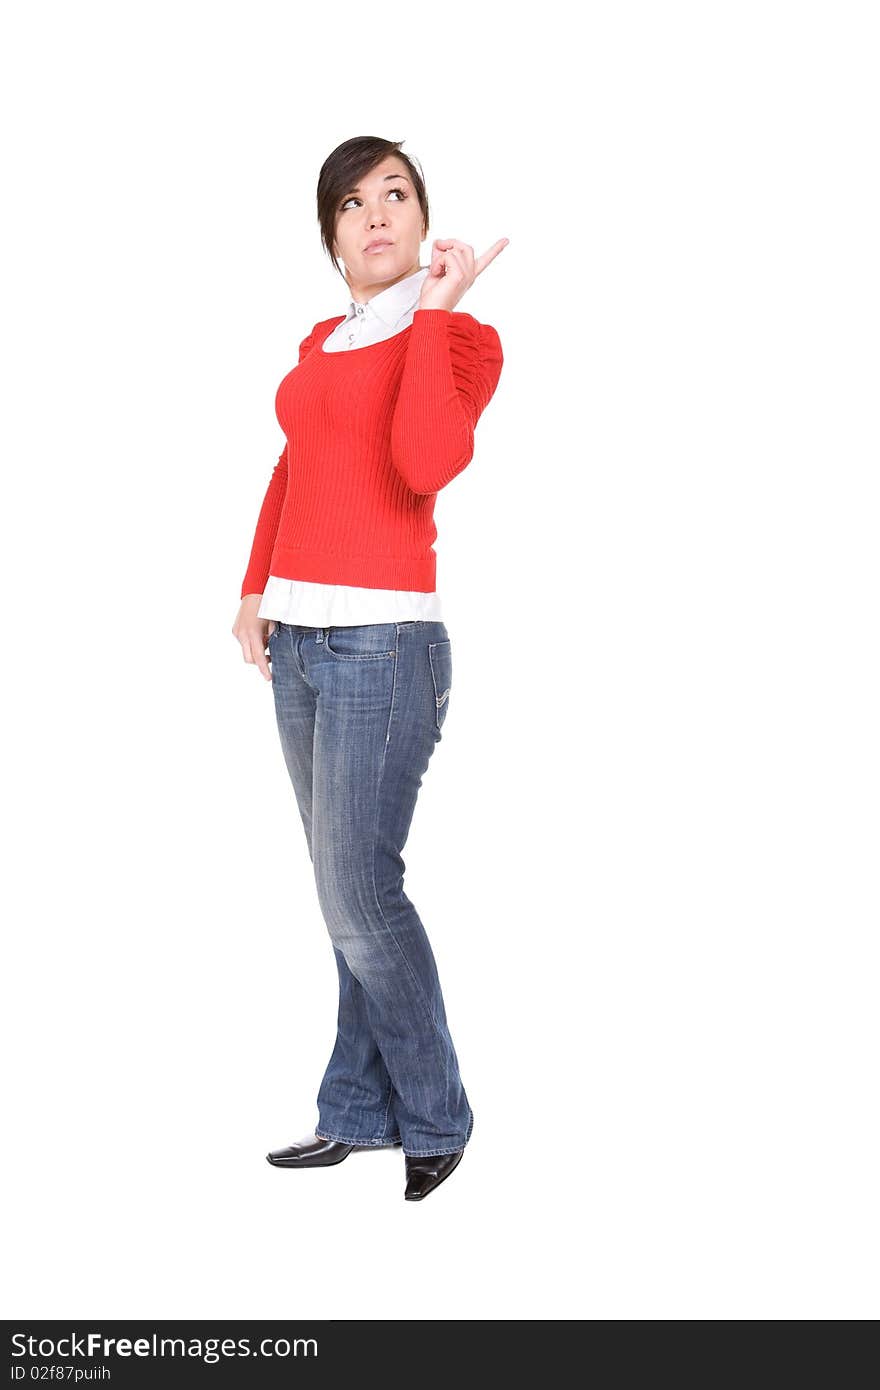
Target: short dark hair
(344,167)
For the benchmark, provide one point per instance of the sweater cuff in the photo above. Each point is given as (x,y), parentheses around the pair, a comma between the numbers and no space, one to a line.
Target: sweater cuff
(430,320)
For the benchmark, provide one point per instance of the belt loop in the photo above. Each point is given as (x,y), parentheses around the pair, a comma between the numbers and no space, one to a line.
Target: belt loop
(319,637)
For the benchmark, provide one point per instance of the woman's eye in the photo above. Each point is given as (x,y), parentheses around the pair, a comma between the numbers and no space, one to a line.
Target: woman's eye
(402,193)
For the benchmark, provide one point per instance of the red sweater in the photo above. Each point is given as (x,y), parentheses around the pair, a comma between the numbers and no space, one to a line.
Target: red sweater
(372,436)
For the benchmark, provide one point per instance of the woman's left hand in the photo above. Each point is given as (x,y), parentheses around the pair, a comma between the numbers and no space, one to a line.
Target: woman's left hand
(453,270)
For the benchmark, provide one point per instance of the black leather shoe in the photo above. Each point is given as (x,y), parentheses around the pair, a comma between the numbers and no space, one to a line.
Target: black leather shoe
(426,1173)
(314,1153)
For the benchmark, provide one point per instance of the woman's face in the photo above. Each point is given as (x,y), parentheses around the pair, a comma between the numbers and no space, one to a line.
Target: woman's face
(384,207)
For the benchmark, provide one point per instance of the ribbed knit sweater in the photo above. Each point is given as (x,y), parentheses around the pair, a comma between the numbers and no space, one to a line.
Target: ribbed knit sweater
(372,437)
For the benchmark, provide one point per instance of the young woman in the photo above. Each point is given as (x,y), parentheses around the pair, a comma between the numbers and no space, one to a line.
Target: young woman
(379,414)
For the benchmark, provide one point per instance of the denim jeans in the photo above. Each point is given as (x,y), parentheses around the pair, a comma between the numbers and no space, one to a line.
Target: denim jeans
(360,710)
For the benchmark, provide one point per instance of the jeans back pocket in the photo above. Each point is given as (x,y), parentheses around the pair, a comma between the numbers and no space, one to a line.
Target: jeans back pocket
(440,658)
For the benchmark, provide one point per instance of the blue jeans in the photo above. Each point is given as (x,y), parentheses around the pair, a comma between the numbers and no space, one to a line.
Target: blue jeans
(360,710)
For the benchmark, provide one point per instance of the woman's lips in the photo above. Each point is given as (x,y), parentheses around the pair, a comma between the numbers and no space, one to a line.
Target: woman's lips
(382,246)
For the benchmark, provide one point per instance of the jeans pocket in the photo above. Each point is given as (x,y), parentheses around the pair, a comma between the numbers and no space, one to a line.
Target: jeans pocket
(440,658)
(362,641)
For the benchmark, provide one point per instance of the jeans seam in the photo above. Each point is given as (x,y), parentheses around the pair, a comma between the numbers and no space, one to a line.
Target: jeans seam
(380,780)
(396,655)
(363,1143)
(387,1104)
(432,1153)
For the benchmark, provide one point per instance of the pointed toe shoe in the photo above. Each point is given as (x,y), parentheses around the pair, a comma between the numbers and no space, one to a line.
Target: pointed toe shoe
(313,1152)
(424,1173)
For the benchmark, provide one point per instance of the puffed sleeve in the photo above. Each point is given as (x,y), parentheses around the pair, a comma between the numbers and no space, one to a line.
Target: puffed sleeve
(258,568)
(452,368)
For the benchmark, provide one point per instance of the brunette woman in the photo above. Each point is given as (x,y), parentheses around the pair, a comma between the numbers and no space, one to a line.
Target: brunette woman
(379,414)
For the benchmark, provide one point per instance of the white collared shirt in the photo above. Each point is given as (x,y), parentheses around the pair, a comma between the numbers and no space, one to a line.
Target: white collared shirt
(337,605)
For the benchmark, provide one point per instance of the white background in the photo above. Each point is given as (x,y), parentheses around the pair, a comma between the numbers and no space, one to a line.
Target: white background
(646,849)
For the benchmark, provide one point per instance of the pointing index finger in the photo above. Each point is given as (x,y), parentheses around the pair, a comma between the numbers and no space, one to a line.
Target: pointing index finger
(489,256)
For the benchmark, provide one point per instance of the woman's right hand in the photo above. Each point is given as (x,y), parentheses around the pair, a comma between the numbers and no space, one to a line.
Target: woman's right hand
(253,633)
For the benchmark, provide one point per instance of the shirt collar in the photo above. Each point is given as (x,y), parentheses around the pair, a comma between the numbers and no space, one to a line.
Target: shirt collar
(390,305)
